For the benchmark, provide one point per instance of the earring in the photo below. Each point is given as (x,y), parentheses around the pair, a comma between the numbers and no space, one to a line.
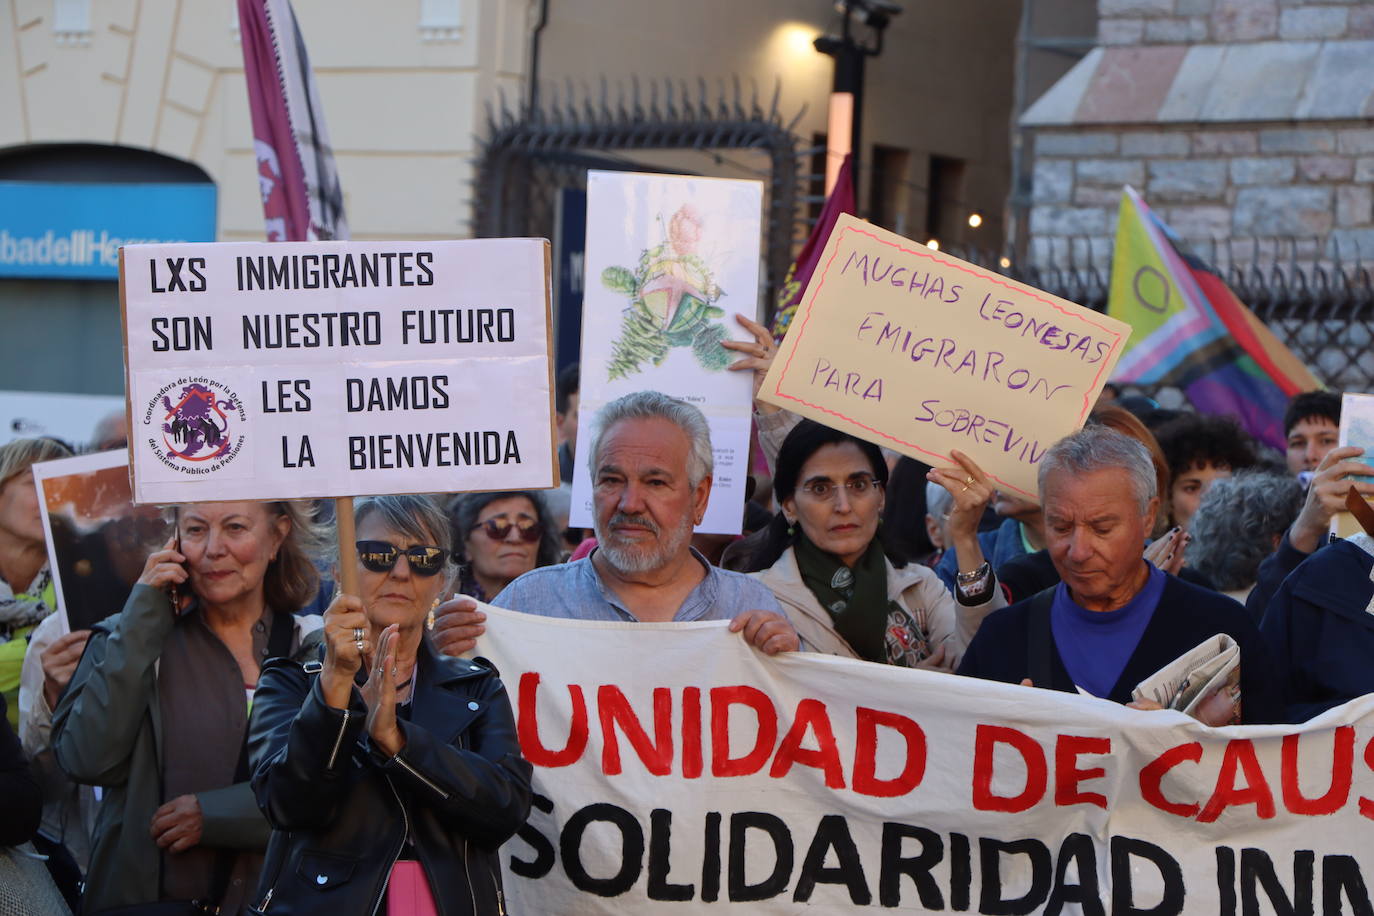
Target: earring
(429,619)
(791,527)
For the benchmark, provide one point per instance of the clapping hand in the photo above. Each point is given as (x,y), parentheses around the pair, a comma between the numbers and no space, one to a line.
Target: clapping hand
(379,693)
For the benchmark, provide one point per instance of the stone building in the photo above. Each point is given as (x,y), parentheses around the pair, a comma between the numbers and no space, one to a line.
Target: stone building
(1236,120)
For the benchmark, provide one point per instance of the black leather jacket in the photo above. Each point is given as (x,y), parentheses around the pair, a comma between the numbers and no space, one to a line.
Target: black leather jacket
(342,812)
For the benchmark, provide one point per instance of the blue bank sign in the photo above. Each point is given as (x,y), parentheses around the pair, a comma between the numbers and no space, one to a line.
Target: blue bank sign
(74,230)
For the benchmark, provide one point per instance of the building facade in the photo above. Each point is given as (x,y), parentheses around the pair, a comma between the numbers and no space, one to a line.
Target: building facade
(1237,120)
(100,97)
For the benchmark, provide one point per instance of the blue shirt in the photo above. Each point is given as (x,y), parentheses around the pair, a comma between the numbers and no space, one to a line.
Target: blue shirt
(575,591)
(1095,645)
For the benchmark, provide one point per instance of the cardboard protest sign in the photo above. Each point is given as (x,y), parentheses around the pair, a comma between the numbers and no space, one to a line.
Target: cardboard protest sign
(290,370)
(98,540)
(921,352)
(670,261)
(677,770)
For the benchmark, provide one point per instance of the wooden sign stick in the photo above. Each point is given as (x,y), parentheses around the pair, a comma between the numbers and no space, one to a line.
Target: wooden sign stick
(1362,511)
(348,552)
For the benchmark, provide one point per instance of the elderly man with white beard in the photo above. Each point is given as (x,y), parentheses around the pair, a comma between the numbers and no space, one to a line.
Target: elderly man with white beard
(651,464)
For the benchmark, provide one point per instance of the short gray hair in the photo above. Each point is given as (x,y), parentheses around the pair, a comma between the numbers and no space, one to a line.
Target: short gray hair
(1100,448)
(415,516)
(647,405)
(938,500)
(1236,523)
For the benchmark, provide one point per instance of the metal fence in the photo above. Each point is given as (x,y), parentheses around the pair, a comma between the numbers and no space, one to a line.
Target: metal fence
(1317,300)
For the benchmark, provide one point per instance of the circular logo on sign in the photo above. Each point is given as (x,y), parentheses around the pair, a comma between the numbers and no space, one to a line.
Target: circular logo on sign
(200,419)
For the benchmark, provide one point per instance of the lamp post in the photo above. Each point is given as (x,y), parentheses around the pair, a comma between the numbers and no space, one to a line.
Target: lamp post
(847,91)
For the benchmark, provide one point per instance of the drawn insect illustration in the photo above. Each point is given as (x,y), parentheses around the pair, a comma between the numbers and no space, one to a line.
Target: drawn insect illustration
(672,296)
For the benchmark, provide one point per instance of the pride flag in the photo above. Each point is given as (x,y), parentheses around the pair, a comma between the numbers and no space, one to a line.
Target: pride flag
(1190,331)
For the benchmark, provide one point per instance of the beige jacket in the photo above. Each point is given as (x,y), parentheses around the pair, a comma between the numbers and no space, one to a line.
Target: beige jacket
(914,587)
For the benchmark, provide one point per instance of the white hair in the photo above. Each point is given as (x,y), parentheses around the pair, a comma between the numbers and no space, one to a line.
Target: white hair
(1100,448)
(938,500)
(646,405)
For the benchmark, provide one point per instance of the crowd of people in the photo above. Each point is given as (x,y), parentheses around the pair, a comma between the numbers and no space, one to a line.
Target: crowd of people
(243,733)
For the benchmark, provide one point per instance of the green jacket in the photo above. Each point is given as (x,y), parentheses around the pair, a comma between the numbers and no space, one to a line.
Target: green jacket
(107,731)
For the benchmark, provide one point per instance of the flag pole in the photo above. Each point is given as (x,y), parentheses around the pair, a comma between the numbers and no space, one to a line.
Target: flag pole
(348,556)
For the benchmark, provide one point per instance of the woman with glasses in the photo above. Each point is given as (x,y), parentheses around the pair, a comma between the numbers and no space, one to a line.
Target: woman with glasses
(825,559)
(500,536)
(388,771)
(157,709)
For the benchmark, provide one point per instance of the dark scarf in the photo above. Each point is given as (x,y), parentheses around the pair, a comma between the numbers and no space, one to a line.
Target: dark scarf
(856,598)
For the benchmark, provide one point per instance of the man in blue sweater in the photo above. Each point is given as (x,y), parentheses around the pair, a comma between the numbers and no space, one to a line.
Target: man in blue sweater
(1114,619)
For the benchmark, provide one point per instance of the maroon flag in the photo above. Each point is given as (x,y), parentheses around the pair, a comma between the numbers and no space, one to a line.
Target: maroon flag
(301,197)
(841,200)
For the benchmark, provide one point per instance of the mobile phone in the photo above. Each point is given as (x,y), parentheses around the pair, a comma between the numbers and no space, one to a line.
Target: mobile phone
(172,591)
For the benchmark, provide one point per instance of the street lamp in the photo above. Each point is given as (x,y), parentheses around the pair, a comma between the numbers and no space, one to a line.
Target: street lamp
(846,96)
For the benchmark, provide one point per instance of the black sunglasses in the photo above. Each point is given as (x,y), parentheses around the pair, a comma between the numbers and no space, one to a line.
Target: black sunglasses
(498,529)
(381,556)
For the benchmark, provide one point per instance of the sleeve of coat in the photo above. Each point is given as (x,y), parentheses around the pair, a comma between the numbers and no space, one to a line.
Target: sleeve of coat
(96,722)
(1289,631)
(35,717)
(231,818)
(773,428)
(482,790)
(300,748)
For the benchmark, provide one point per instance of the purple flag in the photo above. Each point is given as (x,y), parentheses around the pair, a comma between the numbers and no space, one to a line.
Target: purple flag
(301,197)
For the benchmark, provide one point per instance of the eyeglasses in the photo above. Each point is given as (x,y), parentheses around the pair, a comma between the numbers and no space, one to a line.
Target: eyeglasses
(860,486)
(381,556)
(498,529)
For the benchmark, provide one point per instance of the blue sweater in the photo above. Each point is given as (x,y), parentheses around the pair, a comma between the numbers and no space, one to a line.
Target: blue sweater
(1186,616)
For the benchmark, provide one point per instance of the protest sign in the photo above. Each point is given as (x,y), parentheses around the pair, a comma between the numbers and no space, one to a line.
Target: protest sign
(677,770)
(98,540)
(921,352)
(1356,428)
(291,370)
(670,261)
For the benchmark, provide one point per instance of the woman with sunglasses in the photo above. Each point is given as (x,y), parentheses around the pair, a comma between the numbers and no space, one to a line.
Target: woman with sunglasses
(387,771)
(158,707)
(499,537)
(847,592)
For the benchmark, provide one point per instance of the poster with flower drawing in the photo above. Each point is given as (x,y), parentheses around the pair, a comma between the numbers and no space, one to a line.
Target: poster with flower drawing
(670,261)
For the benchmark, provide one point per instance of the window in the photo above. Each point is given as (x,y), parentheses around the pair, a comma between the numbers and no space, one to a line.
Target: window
(944,206)
(889,191)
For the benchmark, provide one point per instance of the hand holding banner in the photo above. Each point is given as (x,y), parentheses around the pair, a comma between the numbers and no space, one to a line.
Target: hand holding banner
(921,352)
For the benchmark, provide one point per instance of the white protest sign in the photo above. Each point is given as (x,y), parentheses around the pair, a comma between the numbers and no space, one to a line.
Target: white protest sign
(670,261)
(290,370)
(922,352)
(677,770)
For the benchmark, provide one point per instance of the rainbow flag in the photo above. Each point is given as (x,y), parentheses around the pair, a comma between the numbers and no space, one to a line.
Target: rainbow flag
(1190,331)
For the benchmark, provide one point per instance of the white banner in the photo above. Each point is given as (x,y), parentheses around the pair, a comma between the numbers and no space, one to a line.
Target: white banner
(288,370)
(679,771)
(670,261)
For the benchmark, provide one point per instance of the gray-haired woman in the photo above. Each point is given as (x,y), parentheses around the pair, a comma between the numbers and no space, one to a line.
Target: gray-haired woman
(387,767)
